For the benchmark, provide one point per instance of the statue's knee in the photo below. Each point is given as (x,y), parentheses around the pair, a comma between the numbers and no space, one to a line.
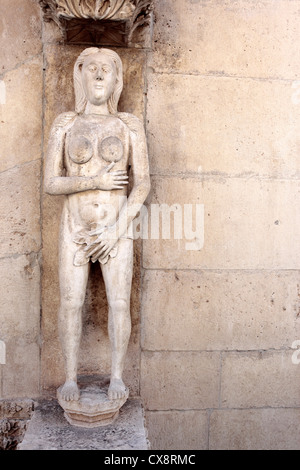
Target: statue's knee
(71,302)
(119,306)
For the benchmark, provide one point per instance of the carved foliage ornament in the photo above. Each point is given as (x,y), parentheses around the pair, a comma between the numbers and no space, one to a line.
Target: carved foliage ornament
(110,22)
(116,10)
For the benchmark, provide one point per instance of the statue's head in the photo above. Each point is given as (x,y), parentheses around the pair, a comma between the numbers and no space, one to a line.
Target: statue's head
(98,77)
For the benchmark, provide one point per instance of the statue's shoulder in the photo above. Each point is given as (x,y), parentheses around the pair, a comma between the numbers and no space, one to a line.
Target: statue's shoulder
(64,119)
(133,122)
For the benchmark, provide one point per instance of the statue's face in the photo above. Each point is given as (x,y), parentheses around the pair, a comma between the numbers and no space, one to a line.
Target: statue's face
(98,78)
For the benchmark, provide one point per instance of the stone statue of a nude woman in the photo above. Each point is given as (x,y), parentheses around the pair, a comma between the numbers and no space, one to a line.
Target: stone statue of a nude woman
(90,152)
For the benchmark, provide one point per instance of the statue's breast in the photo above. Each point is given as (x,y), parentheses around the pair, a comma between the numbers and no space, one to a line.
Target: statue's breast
(80,149)
(111,149)
(102,140)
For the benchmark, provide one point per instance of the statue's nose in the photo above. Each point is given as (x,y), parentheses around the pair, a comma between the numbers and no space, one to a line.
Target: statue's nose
(99,75)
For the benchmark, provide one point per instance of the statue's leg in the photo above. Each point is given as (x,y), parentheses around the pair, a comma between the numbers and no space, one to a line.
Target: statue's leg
(117,274)
(73,281)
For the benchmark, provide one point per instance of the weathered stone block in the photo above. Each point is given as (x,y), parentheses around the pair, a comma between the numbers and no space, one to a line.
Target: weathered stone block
(20,209)
(16,409)
(260,379)
(20,32)
(20,317)
(49,430)
(208,310)
(173,430)
(180,380)
(234,38)
(240,127)
(21,372)
(21,114)
(245,223)
(20,297)
(265,429)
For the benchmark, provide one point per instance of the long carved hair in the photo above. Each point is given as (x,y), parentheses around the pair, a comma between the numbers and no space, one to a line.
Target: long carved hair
(80,98)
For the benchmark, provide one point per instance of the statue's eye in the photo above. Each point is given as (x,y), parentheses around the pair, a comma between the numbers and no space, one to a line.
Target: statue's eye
(92,68)
(106,69)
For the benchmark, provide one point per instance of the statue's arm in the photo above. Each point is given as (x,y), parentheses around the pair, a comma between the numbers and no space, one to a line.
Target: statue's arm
(56,183)
(141,178)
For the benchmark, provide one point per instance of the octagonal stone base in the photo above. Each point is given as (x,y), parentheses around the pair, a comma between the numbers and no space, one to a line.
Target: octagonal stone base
(94,408)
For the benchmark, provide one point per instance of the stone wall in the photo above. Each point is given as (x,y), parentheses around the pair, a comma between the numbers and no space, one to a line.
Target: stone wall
(219,94)
(21,99)
(218,324)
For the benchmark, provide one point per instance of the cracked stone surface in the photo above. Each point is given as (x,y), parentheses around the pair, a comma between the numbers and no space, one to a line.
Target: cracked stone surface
(49,430)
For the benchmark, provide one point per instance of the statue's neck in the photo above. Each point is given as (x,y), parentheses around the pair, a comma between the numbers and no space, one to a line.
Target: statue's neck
(96,109)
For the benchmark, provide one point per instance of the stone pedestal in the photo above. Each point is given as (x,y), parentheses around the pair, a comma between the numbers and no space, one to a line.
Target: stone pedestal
(94,408)
(49,430)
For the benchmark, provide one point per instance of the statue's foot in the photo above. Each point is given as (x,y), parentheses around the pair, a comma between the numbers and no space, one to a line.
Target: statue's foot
(70,391)
(117,389)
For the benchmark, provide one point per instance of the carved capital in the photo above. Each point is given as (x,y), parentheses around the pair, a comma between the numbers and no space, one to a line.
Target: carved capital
(116,18)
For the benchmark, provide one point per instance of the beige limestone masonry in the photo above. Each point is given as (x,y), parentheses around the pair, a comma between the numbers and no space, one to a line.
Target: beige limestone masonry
(20,30)
(19,209)
(173,430)
(245,223)
(237,127)
(180,380)
(217,37)
(262,429)
(222,118)
(20,134)
(259,379)
(20,324)
(224,310)
(21,114)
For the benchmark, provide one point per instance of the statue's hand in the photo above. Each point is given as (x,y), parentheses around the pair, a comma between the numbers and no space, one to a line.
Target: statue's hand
(103,244)
(108,180)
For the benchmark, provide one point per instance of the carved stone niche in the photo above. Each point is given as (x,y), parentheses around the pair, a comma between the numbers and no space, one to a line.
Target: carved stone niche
(101,22)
